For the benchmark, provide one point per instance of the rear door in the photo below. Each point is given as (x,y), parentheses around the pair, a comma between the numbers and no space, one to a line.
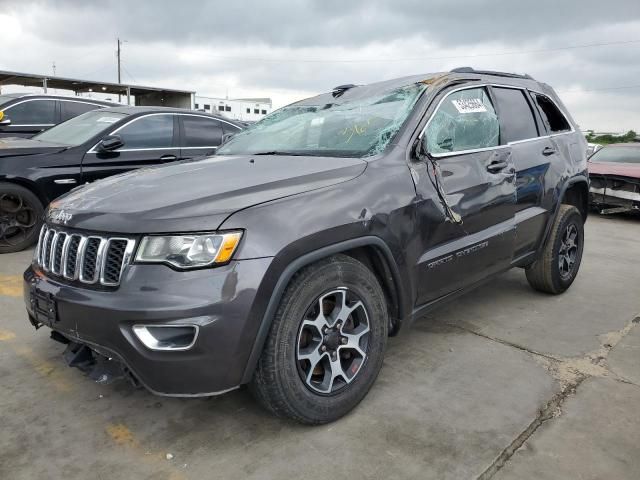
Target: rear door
(200,135)
(28,117)
(533,152)
(468,230)
(150,139)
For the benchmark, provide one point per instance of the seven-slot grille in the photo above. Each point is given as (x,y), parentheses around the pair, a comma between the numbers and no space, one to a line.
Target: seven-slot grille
(91,259)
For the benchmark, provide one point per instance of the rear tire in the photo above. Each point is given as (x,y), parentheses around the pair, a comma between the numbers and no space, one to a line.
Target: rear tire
(326,344)
(558,266)
(20,218)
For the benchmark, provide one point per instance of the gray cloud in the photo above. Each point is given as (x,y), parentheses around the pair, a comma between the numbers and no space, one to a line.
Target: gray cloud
(258,48)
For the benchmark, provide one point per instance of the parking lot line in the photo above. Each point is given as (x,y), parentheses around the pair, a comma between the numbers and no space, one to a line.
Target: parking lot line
(11,285)
(46,369)
(124,437)
(6,335)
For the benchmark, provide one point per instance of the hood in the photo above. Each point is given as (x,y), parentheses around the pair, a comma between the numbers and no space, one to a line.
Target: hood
(15,146)
(618,169)
(197,195)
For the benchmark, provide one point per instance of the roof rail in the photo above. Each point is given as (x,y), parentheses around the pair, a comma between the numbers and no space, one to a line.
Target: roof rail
(490,72)
(340,89)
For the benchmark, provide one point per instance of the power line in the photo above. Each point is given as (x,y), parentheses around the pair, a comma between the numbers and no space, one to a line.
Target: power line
(129,73)
(598,89)
(411,59)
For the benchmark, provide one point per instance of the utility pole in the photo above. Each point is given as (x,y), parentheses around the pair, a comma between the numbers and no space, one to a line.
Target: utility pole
(119,42)
(53,66)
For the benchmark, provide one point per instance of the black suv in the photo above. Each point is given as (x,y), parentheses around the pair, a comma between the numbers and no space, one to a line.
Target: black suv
(91,146)
(26,114)
(286,260)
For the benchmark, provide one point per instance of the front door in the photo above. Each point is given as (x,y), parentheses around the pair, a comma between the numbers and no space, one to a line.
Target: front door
(465,182)
(148,140)
(29,117)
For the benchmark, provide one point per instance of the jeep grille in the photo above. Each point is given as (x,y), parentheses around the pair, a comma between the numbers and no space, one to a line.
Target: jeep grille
(91,259)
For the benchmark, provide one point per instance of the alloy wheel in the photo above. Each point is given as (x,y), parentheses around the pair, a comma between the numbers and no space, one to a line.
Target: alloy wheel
(332,342)
(17,219)
(568,251)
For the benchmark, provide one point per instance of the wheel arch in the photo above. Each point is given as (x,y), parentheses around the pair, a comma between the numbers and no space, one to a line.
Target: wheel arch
(575,192)
(370,250)
(29,185)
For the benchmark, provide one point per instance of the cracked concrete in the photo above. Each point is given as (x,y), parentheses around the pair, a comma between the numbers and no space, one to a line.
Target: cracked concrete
(506,383)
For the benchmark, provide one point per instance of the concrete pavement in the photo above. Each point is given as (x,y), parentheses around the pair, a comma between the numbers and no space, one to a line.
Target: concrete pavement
(504,383)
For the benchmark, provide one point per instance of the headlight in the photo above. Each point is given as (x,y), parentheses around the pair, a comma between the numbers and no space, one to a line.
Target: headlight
(189,251)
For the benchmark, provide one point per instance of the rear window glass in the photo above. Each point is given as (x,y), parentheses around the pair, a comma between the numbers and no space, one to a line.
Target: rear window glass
(201,132)
(552,117)
(516,117)
(73,109)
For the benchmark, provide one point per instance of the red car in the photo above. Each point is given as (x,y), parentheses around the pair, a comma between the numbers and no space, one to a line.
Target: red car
(614,172)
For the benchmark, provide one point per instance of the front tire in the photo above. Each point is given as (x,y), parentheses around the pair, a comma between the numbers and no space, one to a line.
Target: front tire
(326,344)
(558,266)
(20,218)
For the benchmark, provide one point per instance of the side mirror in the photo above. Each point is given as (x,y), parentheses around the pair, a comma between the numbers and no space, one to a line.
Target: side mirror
(4,121)
(226,137)
(110,143)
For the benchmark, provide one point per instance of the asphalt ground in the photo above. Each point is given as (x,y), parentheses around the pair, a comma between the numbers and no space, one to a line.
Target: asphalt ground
(504,383)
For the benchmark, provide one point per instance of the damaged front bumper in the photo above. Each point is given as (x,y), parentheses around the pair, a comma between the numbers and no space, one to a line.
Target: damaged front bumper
(612,193)
(99,325)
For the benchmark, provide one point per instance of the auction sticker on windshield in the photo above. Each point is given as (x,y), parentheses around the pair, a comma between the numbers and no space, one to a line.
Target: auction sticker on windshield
(107,120)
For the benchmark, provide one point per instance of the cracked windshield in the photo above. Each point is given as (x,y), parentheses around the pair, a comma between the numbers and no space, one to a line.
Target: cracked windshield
(343,128)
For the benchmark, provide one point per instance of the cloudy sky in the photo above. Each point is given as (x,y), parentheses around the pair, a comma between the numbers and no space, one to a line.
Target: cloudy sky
(589,51)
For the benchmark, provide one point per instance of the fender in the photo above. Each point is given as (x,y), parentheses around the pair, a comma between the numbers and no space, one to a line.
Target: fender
(307,259)
(552,218)
(29,185)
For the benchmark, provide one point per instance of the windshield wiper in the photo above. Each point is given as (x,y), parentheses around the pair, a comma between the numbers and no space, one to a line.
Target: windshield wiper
(280,152)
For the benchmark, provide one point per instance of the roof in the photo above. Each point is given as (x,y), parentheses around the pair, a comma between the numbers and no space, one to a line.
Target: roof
(58,97)
(79,85)
(131,110)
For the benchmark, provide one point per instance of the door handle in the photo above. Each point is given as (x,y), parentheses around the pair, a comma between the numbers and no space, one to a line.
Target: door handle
(168,158)
(496,166)
(548,151)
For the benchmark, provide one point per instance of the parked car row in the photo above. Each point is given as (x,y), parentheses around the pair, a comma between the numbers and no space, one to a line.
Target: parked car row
(286,260)
(91,146)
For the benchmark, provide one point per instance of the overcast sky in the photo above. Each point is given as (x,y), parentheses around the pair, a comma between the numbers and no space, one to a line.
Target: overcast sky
(289,50)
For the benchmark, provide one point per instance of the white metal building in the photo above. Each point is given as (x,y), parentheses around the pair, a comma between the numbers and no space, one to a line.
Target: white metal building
(244,109)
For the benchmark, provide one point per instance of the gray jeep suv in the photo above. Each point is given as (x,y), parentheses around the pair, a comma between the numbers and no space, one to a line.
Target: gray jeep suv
(285,261)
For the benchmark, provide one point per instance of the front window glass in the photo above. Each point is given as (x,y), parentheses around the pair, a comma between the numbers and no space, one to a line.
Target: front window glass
(81,128)
(152,131)
(32,112)
(630,154)
(345,127)
(466,120)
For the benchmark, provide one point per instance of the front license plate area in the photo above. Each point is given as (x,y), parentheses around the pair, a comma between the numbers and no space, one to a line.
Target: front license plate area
(43,306)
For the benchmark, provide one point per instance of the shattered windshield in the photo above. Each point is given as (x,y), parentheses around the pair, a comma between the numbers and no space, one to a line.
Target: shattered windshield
(360,127)
(630,154)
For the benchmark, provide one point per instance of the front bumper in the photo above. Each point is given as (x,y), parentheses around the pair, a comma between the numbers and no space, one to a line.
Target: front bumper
(218,300)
